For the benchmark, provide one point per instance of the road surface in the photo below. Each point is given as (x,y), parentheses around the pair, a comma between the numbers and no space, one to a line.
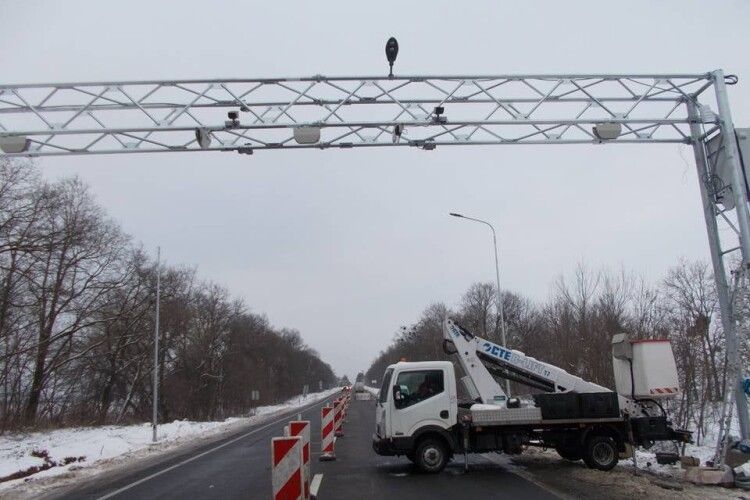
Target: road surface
(239,467)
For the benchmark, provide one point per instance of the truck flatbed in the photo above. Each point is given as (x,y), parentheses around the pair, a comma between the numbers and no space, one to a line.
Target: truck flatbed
(488,415)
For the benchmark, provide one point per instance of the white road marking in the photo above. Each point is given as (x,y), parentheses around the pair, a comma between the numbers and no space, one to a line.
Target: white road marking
(195,457)
(315,485)
(518,471)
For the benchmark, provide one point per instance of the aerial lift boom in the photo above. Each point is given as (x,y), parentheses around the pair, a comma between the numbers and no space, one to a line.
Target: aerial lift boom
(483,361)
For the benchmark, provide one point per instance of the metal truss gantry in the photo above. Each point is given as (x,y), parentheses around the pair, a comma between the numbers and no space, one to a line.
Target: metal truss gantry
(157,116)
(247,115)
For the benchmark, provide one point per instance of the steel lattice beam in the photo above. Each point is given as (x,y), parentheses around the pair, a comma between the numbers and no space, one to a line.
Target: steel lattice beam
(163,116)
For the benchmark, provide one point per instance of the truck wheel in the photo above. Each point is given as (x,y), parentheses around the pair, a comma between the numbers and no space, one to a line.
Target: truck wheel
(572,453)
(601,453)
(431,456)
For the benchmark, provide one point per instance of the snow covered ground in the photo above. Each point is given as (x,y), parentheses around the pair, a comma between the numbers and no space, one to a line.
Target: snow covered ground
(647,460)
(704,452)
(98,444)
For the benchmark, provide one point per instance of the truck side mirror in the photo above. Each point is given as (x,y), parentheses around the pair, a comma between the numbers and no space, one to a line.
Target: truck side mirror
(398,398)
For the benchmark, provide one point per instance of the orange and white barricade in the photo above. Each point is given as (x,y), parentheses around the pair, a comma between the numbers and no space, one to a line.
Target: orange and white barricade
(327,433)
(286,468)
(338,418)
(302,428)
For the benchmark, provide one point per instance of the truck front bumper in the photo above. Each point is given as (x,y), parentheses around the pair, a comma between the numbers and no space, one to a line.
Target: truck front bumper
(391,446)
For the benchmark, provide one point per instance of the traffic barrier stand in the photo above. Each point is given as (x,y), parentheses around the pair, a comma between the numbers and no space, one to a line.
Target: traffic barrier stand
(302,428)
(286,470)
(327,433)
(342,414)
(338,418)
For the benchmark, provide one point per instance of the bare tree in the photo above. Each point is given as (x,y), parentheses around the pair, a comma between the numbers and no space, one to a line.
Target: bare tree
(76,320)
(78,266)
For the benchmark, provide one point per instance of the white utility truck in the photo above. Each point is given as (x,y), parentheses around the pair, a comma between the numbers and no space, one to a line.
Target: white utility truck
(419,414)
(359,384)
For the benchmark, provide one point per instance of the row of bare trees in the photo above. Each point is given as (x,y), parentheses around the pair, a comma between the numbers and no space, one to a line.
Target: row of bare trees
(77,301)
(573,329)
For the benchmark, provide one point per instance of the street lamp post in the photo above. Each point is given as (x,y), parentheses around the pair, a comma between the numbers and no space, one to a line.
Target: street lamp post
(500,311)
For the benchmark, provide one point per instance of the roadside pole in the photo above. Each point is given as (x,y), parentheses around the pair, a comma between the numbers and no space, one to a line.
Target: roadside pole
(156,347)
(500,311)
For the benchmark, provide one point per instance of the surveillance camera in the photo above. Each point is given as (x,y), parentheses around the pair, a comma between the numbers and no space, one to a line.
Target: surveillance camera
(398,130)
(607,131)
(14,144)
(203,137)
(439,118)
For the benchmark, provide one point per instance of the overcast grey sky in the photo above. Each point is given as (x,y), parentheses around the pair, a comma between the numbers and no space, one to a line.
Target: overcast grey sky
(347,245)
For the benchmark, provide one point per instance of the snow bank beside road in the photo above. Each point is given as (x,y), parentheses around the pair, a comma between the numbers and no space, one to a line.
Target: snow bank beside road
(97,444)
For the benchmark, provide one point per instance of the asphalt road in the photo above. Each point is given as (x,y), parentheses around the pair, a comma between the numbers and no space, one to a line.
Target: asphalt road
(238,466)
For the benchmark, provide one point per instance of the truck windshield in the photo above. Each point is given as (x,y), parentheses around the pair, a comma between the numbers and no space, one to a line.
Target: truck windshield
(383,397)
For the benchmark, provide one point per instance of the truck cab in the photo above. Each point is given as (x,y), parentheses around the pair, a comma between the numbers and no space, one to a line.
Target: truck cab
(417,407)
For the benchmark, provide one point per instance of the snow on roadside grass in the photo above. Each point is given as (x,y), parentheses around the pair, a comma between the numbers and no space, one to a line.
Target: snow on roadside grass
(111,441)
(646,457)
(704,452)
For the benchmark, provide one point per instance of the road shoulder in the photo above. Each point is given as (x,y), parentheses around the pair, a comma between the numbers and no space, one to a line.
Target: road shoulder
(574,480)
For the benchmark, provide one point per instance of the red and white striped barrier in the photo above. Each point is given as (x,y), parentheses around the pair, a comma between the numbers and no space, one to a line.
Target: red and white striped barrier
(665,390)
(302,428)
(338,418)
(286,472)
(327,433)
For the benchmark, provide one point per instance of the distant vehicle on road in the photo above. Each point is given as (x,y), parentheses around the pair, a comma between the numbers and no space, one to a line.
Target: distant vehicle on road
(359,384)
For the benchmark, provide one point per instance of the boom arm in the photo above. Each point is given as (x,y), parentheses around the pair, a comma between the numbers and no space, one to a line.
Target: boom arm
(481,359)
